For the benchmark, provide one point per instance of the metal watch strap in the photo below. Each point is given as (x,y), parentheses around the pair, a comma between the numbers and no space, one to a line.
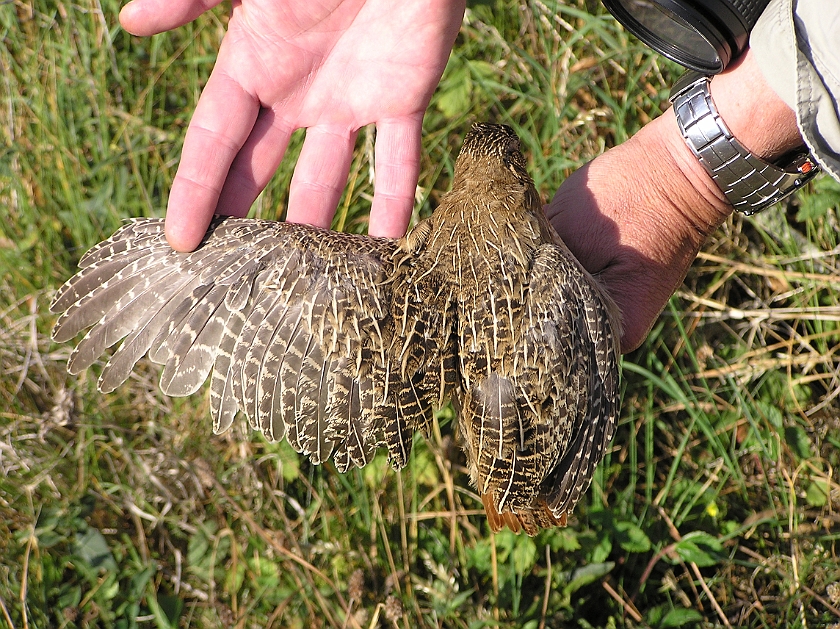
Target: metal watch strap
(749,183)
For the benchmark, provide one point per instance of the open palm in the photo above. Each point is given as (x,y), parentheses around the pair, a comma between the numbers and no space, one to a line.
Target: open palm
(331,67)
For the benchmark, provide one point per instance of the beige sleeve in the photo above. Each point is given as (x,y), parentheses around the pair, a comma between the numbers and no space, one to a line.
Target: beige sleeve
(797,46)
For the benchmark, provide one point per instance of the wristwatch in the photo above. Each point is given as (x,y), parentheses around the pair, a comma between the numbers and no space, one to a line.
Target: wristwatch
(749,183)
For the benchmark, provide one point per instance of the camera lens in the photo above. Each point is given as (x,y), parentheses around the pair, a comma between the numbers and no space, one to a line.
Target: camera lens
(704,35)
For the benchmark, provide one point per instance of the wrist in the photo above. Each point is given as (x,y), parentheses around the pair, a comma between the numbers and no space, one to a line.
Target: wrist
(750,179)
(754,113)
(636,217)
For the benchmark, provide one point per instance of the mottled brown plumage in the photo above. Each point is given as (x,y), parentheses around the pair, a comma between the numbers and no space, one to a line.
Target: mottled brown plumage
(345,343)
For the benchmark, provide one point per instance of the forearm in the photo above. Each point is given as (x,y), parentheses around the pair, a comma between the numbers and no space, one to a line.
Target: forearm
(637,215)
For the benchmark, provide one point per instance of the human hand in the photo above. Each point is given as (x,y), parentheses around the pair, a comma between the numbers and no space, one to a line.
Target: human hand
(330,66)
(637,215)
(637,237)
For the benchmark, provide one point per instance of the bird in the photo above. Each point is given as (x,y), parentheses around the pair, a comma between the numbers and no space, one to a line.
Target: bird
(345,343)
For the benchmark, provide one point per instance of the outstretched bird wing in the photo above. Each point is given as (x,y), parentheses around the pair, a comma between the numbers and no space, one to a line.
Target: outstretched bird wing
(291,320)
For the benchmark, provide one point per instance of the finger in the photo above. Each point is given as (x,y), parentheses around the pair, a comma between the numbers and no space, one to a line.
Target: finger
(397,166)
(254,165)
(220,126)
(149,17)
(320,176)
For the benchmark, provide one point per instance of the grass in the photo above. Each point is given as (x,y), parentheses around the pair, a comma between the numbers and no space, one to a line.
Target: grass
(716,506)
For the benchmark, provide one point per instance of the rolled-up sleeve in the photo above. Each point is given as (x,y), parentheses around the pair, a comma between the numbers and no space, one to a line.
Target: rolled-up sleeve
(797,45)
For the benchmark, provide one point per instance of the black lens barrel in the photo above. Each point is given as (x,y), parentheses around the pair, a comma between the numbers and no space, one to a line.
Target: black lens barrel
(704,35)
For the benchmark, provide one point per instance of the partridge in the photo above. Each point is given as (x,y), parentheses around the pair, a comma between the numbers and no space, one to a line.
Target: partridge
(345,343)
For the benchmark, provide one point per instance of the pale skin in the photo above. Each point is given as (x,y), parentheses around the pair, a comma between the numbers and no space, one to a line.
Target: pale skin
(635,216)
(329,66)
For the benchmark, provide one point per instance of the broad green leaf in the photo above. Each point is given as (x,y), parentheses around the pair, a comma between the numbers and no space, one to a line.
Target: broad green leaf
(601,550)
(93,549)
(455,90)
(817,493)
(424,469)
(680,617)
(631,538)
(481,69)
(480,556)
(265,570)
(825,196)
(138,582)
(234,578)
(586,575)
(565,540)
(290,462)
(771,412)
(197,547)
(171,606)
(700,548)
(797,440)
(524,553)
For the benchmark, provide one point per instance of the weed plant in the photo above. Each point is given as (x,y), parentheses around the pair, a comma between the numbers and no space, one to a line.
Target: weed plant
(716,506)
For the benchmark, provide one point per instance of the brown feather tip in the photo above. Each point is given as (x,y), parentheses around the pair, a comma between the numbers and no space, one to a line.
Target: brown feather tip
(561,521)
(497,520)
(531,522)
